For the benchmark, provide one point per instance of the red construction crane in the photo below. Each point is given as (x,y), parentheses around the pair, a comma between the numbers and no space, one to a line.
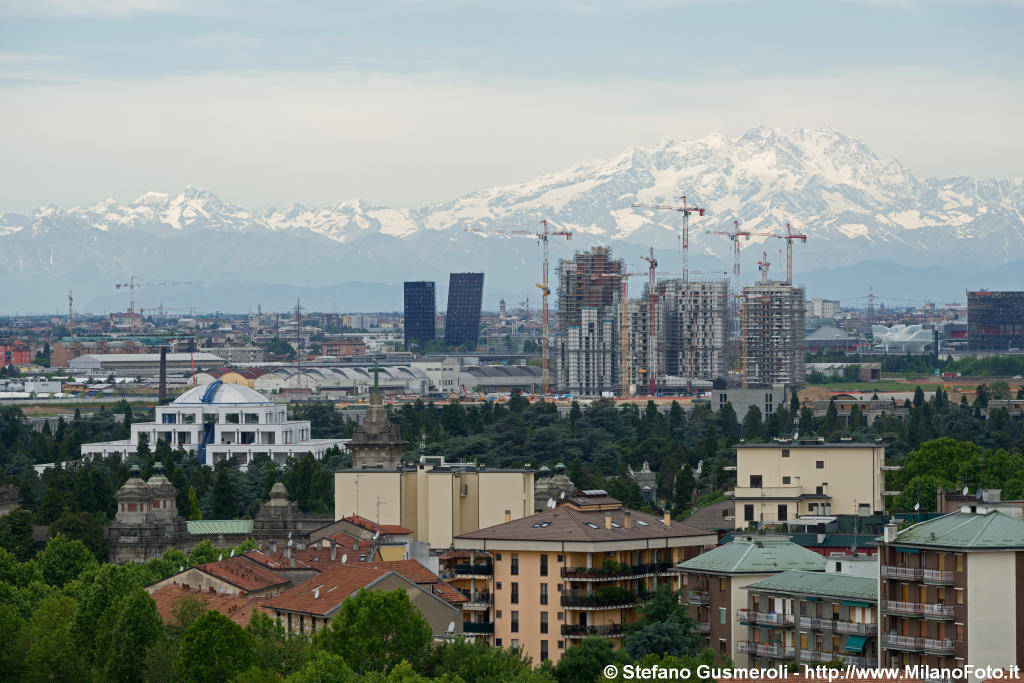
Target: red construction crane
(685,237)
(542,237)
(734,236)
(763,265)
(132,284)
(789,237)
(651,326)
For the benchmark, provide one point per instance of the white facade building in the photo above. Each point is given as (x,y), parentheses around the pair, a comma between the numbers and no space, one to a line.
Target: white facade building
(220,421)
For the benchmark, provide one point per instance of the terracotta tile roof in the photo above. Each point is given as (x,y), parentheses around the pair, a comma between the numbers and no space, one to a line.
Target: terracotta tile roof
(273,560)
(418,574)
(322,594)
(243,574)
(567,524)
(237,608)
(373,526)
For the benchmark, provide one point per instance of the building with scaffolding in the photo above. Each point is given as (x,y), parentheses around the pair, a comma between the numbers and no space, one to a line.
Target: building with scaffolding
(772,335)
(590,279)
(995,321)
(693,329)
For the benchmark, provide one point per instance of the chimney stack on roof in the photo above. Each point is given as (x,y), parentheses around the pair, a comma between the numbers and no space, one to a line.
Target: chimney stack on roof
(508,516)
(627,520)
(668,518)
(607,520)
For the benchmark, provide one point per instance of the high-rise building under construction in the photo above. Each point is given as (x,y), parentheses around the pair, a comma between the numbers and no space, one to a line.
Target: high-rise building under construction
(693,329)
(772,335)
(995,320)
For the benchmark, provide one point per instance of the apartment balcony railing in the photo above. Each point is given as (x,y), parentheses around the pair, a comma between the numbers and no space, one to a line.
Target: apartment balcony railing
(480,628)
(939,647)
(911,643)
(622,572)
(937,576)
(815,656)
(476,569)
(477,601)
(699,597)
(938,611)
(766,649)
(614,600)
(823,656)
(815,623)
(765,618)
(908,573)
(908,608)
(837,626)
(606,631)
(703,627)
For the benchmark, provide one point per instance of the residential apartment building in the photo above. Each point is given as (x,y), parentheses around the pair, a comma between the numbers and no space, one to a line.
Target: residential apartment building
(715,581)
(583,568)
(777,482)
(811,617)
(586,357)
(952,592)
(772,335)
(693,329)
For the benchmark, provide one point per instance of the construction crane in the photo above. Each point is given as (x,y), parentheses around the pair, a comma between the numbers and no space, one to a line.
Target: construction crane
(789,236)
(763,265)
(541,236)
(70,318)
(132,284)
(651,326)
(684,238)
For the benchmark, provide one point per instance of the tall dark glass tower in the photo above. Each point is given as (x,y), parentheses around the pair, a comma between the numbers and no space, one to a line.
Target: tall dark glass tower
(465,297)
(419,313)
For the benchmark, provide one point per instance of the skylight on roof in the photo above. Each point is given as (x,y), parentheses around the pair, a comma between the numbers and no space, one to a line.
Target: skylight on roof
(591,525)
(541,525)
(616,525)
(641,523)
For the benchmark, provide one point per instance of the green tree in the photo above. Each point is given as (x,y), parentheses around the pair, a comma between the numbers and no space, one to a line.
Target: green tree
(918,396)
(63,560)
(142,451)
(214,649)
(375,630)
(194,512)
(665,628)
(11,626)
(753,429)
(585,661)
(275,650)
(204,552)
(137,628)
(16,533)
(223,505)
(474,660)
(322,667)
(685,484)
(84,527)
(47,646)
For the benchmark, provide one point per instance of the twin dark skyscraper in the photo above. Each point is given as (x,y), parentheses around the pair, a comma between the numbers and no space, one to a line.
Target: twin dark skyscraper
(462,319)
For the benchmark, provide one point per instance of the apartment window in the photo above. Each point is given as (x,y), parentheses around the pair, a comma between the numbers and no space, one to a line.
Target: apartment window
(723,647)
(748,513)
(543,594)
(543,650)
(543,565)
(756,481)
(515,593)
(959,596)
(515,622)
(498,585)
(561,645)
(783,513)
(722,615)
(785,452)
(819,490)
(839,567)
(785,481)
(497,614)
(543,622)
(960,632)
(959,563)
(497,557)
(561,559)
(515,564)
(560,616)
(723,584)
(515,643)
(819,464)
(497,642)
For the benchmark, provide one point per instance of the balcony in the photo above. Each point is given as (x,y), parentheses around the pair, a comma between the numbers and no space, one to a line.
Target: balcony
(905,573)
(703,627)
(908,643)
(777,651)
(481,571)
(913,609)
(747,616)
(575,631)
(938,611)
(609,598)
(939,647)
(635,571)
(815,655)
(477,601)
(837,626)
(936,576)
(478,628)
(699,597)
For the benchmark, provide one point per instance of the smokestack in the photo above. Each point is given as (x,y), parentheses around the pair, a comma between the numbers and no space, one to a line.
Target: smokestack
(668,518)
(163,375)
(627,519)
(508,516)
(607,520)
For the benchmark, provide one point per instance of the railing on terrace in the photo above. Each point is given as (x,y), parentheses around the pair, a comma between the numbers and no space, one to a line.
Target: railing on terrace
(477,627)
(766,618)
(943,647)
(578,631)
(482,599)
(703,627)
(623,598)
(910,573)
(938,611)
(699,597)
(602,574)
(766,649)
(856,628)
(477,569)
(936,576)
(895,606)
(903,642)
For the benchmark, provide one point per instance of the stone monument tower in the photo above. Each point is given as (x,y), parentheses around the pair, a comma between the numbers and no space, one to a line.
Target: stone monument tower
(376,442)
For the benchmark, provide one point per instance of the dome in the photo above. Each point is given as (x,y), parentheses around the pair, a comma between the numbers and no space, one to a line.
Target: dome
(223,394)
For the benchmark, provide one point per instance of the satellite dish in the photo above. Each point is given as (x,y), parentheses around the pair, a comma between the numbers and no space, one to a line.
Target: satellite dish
(316,593)
(289,542)
(451,627)
(181,569)
(232,552)
(917,506)
(289,534)
(551,503)
(344,558)
(562,496)
(220,557)
(376,535)
(965,491)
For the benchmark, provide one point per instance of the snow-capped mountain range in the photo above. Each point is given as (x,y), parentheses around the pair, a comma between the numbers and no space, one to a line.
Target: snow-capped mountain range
(854,207)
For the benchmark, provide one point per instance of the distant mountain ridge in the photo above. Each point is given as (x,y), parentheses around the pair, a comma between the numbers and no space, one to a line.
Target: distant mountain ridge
(854,206)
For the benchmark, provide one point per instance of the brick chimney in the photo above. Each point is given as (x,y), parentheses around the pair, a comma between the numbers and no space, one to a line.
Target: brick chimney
(508,516)
(627,519)
(607,520)
(668,518)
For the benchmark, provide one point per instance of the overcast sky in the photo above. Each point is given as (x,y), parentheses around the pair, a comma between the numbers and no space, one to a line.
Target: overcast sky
(403,103)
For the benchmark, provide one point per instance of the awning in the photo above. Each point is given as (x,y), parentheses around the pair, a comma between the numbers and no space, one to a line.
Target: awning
(811,519)
(856,643)
(856,603)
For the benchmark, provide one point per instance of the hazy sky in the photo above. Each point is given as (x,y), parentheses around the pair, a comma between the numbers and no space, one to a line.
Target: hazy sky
(404,103)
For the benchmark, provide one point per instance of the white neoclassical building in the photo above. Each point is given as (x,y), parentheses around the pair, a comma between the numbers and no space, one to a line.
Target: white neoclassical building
(219,421)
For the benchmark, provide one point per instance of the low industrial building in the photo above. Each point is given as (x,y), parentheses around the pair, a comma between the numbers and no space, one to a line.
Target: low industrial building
(141,364)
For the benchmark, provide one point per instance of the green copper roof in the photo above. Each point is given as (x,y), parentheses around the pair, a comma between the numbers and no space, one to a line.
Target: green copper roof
(966,530)
(756,555)
(210,527)
(818,583)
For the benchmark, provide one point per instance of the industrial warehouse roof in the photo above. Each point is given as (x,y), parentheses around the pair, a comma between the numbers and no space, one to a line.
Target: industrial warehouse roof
(198,357)
(755,555)
(818,583)
(210,527)
(829,333)
(502,371)
(966,530)
(223,394)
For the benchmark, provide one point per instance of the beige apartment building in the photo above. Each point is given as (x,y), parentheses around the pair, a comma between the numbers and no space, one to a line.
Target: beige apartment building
(780,481)
(583,568)
(436,501)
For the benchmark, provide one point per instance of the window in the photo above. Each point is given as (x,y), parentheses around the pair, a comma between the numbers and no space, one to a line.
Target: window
(756,481)
(252,418)
(497,614)
(497,557)
(723,614)
(543,622)
(960,632)
(543,565)
(515,643)
(819,490)
(959,596)
(231,418)
(515,564)
(785,481)
(543,594)
(839,567)
(819,464)
(543,650)
(515,622)
(959,563)
(783,513)
(748,513)
(515,593)
(498,586)
(723,584)
(785,452)
(561,559)
(561,645)
(497,642)
(723,647)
